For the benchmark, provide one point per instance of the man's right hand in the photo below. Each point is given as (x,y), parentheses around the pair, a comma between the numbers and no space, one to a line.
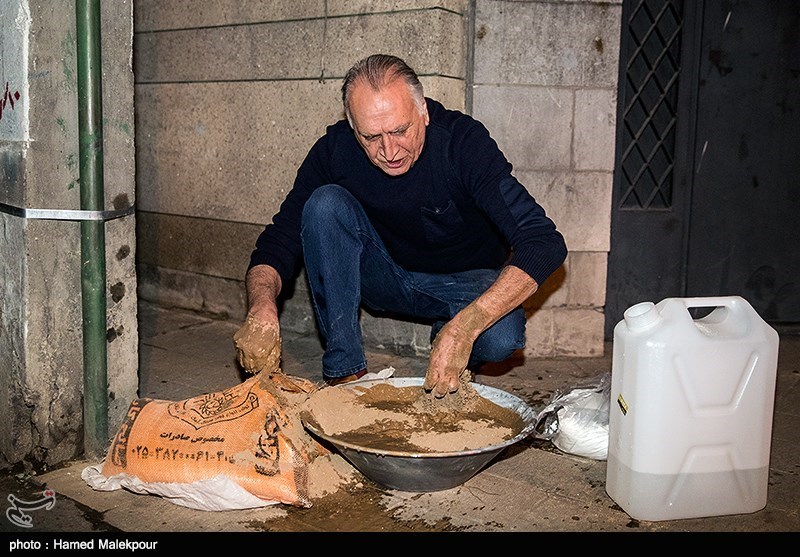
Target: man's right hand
(258,345)
(258,341)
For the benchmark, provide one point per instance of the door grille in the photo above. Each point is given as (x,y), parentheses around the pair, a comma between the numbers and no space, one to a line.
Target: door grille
(650,94)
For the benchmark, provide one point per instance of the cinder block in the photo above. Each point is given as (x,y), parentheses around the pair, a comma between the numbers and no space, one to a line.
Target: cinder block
(197,245)
(321,49)
(448,91)
(586,279)
(532,125)
(368,6)
(223,298)
(226,53)
(559,332)
(595,129)
(517,42)
(539,334)
(197,155)
(152,15)
(433,42)
(156,15)
(581,281)
(578,332)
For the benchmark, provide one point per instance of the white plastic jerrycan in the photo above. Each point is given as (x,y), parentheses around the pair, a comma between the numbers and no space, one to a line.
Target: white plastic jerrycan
(692,401)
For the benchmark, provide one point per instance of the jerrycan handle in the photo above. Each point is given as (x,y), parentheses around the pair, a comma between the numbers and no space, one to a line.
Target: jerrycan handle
(729,315)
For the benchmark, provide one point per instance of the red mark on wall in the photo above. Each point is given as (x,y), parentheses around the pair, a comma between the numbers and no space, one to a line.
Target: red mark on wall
(8,98)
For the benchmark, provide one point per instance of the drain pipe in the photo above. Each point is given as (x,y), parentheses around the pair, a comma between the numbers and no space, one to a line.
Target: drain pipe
(93,256)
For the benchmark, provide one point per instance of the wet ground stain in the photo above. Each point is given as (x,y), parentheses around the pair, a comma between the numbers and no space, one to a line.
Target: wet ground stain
(355,508)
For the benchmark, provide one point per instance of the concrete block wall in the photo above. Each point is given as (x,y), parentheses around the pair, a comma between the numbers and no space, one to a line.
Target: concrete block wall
(230,95)
(41,356)
(545,81)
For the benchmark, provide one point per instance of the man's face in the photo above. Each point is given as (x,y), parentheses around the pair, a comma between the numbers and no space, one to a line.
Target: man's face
(388,125)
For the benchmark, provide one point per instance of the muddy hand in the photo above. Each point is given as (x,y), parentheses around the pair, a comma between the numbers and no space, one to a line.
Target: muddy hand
(449,356)
(258,346)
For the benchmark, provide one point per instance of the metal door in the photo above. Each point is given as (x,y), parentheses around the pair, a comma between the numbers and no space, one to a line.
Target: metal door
(705,191)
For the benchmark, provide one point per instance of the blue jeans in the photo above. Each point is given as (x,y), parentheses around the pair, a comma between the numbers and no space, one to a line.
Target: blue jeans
(347,265)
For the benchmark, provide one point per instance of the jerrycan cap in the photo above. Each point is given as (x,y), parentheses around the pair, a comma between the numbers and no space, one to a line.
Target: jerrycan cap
(641,316)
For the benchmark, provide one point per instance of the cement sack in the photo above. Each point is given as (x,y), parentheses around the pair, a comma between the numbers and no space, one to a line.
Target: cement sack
(243,447)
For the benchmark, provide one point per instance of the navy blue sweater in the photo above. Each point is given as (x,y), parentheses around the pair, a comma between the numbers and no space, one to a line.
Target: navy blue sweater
(458,208)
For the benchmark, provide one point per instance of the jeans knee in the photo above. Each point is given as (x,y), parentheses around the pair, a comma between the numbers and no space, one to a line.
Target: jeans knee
(325,202)
(502,339)
(496,351)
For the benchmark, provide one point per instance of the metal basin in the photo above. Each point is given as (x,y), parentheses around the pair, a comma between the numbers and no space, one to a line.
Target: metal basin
(423,472)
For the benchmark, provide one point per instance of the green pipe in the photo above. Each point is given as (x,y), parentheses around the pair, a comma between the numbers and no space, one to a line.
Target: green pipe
(93,257)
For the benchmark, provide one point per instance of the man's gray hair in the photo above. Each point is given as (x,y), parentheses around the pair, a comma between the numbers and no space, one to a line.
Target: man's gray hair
(378,70)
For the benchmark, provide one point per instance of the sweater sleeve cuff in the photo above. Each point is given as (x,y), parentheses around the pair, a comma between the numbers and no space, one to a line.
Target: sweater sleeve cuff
(540,264)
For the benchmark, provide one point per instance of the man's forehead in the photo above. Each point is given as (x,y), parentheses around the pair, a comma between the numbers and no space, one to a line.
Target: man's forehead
(383,110)
(367,128)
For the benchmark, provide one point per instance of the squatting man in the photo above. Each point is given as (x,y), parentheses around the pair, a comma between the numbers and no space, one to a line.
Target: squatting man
(407,208)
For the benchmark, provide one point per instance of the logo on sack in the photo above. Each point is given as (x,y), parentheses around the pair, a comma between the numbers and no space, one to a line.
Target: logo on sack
(17,514)
(213,408)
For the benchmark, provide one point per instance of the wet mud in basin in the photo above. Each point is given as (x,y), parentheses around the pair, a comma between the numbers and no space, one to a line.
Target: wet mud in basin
(386,417)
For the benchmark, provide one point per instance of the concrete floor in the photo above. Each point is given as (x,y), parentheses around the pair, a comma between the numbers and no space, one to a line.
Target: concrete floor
(531,487)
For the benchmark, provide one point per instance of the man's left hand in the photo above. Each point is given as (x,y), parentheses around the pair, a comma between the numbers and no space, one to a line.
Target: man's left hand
(453,345)
(451,350)
(449,356)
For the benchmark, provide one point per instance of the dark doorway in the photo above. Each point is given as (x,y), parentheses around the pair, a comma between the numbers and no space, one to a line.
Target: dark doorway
(706,189)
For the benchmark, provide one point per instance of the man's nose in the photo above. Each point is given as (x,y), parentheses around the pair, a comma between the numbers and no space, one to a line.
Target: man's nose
(389,147)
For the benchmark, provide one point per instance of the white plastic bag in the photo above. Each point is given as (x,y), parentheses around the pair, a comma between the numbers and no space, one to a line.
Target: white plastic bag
(219,493)
(577,422)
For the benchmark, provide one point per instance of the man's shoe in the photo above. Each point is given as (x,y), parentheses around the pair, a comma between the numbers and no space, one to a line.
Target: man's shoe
(333,381)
